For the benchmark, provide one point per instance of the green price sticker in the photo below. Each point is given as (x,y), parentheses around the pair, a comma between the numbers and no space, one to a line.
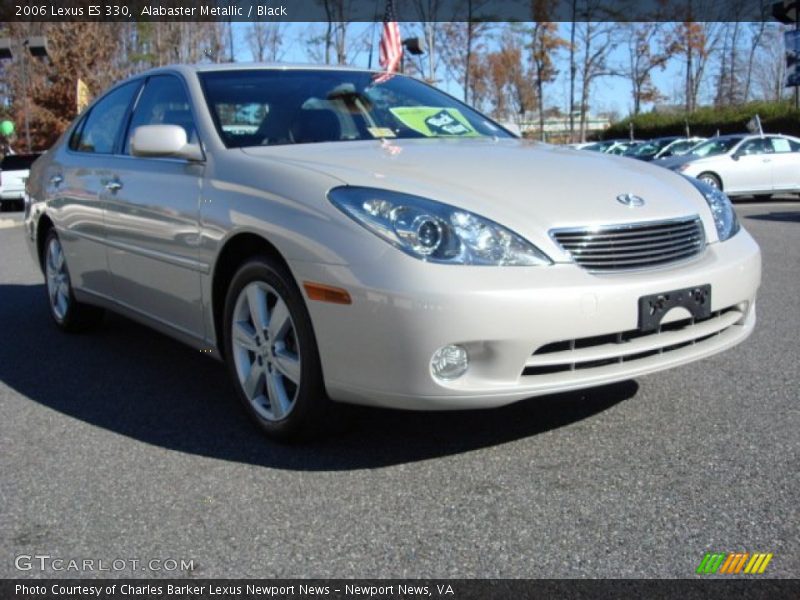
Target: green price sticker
(434,121)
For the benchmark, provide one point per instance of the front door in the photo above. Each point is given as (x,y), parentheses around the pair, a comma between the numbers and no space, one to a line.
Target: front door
(75,191)
(752,169)
(152,217)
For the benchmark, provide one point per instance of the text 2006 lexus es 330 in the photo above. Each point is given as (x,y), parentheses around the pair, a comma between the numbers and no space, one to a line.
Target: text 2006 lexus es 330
(337,234)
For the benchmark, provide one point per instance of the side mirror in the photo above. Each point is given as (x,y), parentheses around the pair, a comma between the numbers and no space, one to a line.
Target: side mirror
(736,155)
(165,141)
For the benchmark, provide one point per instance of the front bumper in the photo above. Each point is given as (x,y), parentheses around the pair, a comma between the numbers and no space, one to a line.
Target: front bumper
(377,351)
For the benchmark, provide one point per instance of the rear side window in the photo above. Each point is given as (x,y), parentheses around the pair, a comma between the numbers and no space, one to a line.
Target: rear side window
(785,145)
(163,102)
(100,129)
(18,162)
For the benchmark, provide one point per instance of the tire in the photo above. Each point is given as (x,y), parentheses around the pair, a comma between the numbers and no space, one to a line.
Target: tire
(710,179)
(271,352)
(69,314)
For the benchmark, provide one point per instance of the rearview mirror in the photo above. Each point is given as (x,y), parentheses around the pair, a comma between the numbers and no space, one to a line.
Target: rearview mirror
(165,141)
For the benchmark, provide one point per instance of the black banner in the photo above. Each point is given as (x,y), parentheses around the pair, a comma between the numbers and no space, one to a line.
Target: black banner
(372,10)
(340,589)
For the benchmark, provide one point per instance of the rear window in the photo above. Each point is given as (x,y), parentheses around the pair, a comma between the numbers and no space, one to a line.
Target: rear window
(18,162)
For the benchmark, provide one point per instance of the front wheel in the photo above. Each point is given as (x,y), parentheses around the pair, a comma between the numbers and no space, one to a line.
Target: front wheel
(69,314)
(272,353)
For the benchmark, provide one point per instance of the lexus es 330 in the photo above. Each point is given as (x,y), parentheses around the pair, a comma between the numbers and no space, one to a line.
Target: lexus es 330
(344,235)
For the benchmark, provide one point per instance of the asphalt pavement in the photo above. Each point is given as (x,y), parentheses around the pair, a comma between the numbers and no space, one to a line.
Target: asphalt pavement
(125,445)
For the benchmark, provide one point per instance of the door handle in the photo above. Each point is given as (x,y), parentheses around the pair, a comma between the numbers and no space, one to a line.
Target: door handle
(56,180)
(114,185)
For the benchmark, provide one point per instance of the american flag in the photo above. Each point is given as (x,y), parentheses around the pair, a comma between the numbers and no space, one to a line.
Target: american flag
(391,47)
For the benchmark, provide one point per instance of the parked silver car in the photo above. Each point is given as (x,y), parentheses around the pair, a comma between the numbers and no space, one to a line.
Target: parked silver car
(744,164)
(341,234)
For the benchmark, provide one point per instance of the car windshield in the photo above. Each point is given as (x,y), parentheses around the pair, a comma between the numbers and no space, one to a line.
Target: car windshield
(677,148)
(651,147)
(714,147)
(267,107)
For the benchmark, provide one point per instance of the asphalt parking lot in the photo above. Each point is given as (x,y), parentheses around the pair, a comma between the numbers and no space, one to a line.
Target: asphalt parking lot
(123,444)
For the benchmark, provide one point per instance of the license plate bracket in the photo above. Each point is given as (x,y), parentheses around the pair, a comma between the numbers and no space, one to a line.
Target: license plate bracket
(652,308)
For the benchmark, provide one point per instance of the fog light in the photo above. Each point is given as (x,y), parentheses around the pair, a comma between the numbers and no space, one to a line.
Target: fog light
(449,362)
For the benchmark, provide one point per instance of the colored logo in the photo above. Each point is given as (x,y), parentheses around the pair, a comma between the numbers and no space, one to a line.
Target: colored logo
(734,563)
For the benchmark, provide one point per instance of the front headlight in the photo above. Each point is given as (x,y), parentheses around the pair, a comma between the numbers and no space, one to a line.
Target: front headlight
(721,208)
(433,231)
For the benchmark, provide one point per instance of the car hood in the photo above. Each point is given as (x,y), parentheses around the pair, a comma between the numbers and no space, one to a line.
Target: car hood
(529,187)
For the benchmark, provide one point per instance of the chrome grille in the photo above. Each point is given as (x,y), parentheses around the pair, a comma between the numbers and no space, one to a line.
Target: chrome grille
(633,246)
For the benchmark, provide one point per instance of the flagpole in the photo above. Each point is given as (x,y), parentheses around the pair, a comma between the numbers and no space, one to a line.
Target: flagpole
(372,35)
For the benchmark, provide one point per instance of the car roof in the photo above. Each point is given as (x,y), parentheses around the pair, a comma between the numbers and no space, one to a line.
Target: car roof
(249,66)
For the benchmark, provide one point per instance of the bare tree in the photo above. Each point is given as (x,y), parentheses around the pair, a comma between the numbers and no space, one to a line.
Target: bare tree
(728,90)
(266,41)
(545,43)
(770,65)
(429,12)
(757,38)
(573,66)
(461,41)
(695,42)
(647,52)
(334,39)
(596,41)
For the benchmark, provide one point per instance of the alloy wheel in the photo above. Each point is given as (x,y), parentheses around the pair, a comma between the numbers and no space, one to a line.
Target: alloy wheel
(710,180)
(57,279)
(266,352)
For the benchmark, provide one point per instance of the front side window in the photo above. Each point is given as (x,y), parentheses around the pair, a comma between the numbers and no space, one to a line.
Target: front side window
(98,133)
(758,146)
(163,102)
(262,107)
(716,146)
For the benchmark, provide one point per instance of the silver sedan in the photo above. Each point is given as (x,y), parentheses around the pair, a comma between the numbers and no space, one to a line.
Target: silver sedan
(344,235)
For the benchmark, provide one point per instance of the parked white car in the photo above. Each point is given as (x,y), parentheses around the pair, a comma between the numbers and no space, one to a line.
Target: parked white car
(744,164)
(376,241)
(14,172)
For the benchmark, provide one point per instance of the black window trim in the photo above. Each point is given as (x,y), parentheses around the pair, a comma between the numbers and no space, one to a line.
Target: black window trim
(127,118)
(134,105)
(81,123)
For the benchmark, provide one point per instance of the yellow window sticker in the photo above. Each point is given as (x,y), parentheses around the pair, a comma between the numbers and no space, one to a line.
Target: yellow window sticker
(381,132)
(434,121)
